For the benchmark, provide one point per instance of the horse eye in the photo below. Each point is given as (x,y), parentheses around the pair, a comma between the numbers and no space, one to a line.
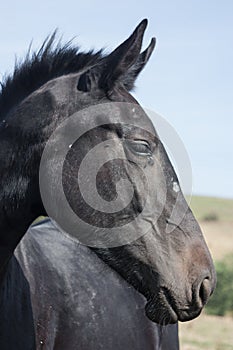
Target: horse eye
(139,147)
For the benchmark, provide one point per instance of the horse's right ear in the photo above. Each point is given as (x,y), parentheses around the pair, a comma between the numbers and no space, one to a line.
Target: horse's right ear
(122,65)
(131,75)
(116,65)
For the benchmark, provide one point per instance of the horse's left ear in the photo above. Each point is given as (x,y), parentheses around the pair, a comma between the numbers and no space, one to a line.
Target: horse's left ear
(125,59)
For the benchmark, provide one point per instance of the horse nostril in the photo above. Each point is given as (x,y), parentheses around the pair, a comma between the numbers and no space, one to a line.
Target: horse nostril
(204,291)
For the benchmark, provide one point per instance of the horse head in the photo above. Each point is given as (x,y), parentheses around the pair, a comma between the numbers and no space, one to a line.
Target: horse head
(163,256)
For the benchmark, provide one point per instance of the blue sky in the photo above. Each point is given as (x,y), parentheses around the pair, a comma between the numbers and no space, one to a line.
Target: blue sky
(189,79)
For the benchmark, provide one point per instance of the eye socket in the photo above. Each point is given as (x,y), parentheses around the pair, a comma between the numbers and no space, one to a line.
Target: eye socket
(139,147)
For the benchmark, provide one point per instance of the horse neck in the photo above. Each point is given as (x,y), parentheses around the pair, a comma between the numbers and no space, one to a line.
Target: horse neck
(20,202)
(18,209)
(23,136)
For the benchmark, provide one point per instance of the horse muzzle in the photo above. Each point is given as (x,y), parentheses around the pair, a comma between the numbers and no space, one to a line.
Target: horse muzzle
(168,308)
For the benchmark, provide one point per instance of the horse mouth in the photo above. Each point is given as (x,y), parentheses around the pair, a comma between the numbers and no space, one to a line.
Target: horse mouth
(162,309)
(159,309)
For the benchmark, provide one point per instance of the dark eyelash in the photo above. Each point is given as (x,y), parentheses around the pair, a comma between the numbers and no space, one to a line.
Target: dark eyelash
(140,147)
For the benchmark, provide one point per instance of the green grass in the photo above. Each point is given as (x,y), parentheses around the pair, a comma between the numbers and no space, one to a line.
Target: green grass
(204,206)
(212,332)
(207,333)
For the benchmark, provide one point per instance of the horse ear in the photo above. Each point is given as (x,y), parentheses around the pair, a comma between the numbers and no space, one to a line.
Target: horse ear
(129,78)
(84,83)
(122,58)
(88,79)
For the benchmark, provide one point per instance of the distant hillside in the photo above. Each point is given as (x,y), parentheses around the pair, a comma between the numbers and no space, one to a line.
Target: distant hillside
(219,209)
(212,332)
(215,216)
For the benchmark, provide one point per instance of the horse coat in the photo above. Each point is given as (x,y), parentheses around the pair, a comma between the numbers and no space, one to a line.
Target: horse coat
(59,295)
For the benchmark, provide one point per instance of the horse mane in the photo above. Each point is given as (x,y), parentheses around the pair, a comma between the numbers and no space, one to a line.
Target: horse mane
(52,60)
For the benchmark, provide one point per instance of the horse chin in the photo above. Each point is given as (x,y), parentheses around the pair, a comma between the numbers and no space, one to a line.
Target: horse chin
(160,313)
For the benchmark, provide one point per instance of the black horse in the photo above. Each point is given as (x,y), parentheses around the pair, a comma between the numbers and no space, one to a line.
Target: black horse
(55,293)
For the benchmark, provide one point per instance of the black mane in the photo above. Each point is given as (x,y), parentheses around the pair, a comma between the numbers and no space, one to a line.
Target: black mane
(50,61)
